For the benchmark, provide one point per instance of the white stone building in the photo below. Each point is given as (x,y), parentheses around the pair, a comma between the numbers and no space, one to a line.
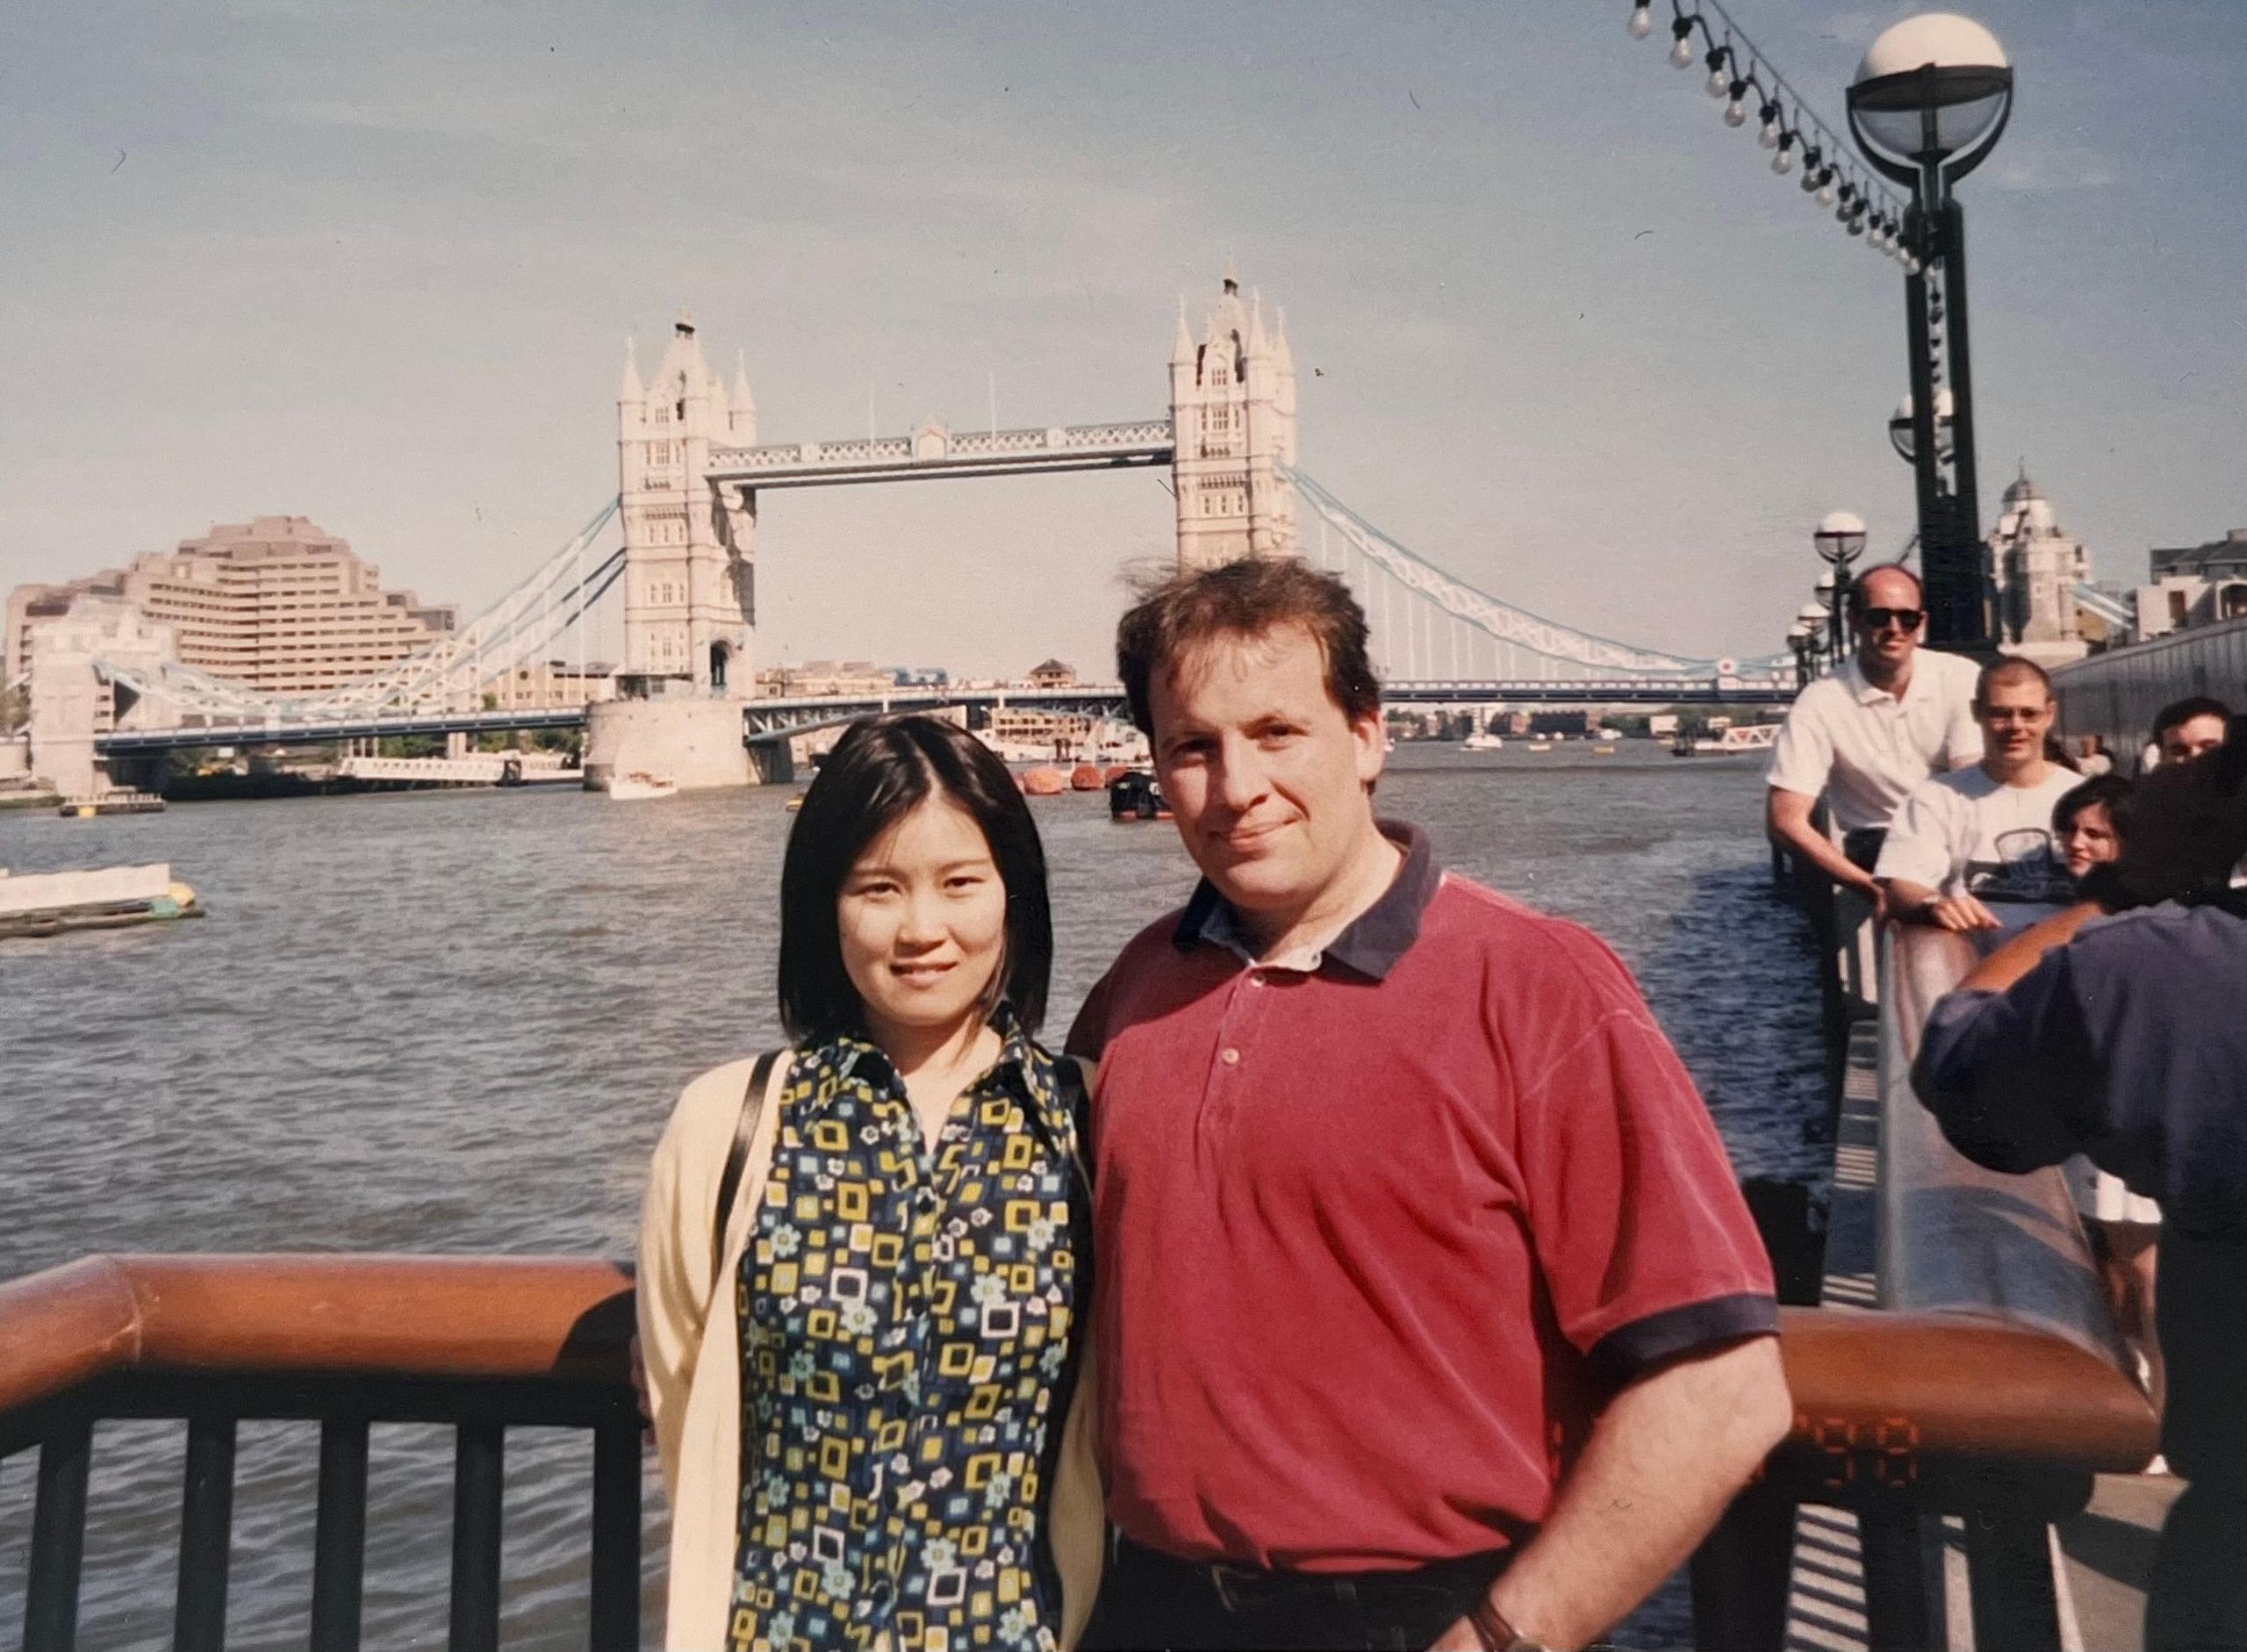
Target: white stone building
(2037,566)
(690,603)
(2196,585)
(1232,414)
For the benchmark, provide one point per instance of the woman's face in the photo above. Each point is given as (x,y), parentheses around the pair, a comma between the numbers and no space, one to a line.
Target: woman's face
(2089,840)
(923,921)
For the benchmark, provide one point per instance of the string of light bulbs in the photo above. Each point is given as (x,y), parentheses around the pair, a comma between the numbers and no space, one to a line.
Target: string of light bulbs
(1788,127)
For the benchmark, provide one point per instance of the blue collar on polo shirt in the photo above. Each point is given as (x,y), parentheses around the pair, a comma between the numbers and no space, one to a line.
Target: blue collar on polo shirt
(1369,945)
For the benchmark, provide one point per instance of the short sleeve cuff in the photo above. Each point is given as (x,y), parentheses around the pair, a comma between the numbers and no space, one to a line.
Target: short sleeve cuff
(1911,858)
(1627,1352)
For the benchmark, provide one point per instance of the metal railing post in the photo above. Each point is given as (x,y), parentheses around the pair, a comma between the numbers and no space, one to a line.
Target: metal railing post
(58,1539)
(1740,1577)
(478,1477)
(206,1530)
(615,1605)
(1899,1613)
(339,1535)
(2009,1575)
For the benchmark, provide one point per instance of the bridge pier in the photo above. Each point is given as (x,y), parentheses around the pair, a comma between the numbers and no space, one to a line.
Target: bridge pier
(695,743)
(774,762)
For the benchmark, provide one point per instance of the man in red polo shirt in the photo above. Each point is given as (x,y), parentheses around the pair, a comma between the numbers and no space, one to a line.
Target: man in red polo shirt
(1428,1309)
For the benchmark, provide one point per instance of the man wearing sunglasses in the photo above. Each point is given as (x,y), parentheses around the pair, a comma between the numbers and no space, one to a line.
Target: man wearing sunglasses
(1866,735)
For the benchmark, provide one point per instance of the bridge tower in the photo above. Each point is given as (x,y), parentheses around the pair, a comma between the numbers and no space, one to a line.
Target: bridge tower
(1232,418)
(689,604)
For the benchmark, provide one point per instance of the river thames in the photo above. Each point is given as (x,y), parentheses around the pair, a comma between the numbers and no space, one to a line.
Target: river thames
(455,1022)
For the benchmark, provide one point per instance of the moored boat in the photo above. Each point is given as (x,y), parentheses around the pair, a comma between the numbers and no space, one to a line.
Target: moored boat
(33,905)
(1133,795)
(626,788)
(1483,740)
(112,803)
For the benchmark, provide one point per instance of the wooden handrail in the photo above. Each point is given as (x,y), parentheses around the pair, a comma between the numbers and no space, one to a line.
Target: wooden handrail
(1953,1386)
(565,1317)
(1960,1387)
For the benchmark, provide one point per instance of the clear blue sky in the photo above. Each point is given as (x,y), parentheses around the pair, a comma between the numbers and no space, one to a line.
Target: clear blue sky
(375,265)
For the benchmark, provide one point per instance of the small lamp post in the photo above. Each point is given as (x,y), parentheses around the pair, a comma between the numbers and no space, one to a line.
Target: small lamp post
(1840,537)
(1811,618)
(1798,636)
(1928,105)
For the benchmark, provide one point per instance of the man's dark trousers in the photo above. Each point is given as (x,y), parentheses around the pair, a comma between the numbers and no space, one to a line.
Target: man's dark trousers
(1148,1599)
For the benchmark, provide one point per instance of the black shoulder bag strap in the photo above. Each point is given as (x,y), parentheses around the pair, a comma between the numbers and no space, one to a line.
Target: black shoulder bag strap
(752,1109)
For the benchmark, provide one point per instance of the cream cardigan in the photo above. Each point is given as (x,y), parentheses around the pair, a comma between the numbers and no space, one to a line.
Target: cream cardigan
(690,1342)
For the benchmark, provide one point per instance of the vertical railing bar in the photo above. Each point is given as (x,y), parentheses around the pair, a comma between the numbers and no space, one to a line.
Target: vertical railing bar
(478,1473)
(2013,1598)
(1897,1608)
(1741,1575)
(58,1539)
(339,1535)
(616,1607)
(206,1527)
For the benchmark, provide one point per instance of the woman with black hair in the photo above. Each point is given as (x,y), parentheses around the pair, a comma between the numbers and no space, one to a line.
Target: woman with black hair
(865,1262)
(2090,822)
(2090,826)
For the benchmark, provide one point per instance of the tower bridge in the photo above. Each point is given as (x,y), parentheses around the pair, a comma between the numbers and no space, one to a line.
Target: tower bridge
(691,471)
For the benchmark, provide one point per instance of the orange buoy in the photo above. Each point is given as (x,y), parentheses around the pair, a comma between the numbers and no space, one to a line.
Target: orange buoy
(1114,773)
(1087,777)
(1044,781)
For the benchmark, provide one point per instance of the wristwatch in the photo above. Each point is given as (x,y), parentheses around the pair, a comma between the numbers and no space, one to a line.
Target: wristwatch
(1497,1634)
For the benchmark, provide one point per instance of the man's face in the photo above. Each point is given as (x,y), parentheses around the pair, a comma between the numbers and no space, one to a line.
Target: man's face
(2191,738)
(2015,715)
(1886,600)
(1265,775)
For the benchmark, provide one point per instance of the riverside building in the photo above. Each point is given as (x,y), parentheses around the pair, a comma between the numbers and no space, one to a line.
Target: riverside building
(276,604)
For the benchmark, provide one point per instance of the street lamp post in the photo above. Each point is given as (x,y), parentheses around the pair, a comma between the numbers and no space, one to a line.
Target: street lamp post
(1840,537)
(1926,107)
(1811,620)
(1799,638)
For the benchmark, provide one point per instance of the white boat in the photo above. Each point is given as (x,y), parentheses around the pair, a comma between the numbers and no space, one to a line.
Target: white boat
(627,788)
(1540,745)
(1483,740)
(37,904)
(1750,736)
(1114,743)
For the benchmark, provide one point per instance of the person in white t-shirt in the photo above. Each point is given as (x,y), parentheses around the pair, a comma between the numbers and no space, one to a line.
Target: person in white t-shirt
(1999,810)
(1868,733)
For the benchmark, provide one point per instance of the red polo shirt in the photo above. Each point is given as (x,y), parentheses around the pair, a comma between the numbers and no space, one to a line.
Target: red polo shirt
(1375,1240)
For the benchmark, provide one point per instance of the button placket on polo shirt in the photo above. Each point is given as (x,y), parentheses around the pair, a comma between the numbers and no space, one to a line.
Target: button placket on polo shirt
(1248,1002)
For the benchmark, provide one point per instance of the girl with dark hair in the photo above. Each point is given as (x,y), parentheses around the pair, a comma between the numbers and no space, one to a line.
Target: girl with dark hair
(865,1262)
(2089,826)
(2089,822)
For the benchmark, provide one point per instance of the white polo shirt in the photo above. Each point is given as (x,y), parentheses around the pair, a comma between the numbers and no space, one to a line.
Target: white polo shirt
(1865,748)
(1951,820)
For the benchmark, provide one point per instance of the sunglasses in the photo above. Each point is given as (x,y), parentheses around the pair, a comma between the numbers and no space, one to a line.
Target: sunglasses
(1904,618)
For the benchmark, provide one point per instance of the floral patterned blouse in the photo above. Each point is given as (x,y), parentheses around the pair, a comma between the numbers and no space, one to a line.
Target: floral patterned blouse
(909,1318)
